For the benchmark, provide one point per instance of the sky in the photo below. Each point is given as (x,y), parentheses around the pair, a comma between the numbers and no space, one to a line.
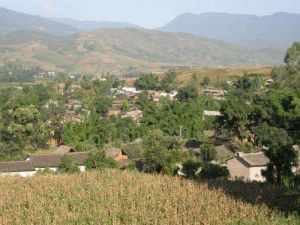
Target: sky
(146,13)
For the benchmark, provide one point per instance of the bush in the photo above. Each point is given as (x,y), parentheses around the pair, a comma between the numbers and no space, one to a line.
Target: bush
(212,171)
(191,167)
(98,160)
(208,152)
(67,165)
(134,151)
(45,171)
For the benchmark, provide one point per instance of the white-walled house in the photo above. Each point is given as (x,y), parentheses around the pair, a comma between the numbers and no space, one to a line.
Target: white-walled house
(52,161)
(130,90)
(17,168)
(34,163)
(248,167)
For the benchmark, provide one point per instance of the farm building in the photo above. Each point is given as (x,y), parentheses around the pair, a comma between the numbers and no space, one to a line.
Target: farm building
(17,168)
(63,149)
(116,154)
(33,163)
(248,167)
(134,114)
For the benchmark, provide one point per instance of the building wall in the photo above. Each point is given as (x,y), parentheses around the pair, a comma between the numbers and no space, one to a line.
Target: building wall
(21,174)
(121,157)
(255,174)
(54,169)
(82,168)
(238,170)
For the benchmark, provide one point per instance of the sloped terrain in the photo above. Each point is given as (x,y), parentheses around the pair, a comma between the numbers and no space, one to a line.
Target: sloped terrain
(113,197)
(119,50)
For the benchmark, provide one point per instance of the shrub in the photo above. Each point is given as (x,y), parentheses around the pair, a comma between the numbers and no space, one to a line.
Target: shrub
(45,171)
(134,151)
(98,160)
(67,165)
(212,171)
(208,152)
(190,168)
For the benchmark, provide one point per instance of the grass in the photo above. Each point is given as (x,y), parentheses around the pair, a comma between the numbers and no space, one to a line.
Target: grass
(113,197)
(225,74)
(215,74)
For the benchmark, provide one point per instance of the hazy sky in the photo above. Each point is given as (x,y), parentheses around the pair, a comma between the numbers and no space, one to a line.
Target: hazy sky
(147,13)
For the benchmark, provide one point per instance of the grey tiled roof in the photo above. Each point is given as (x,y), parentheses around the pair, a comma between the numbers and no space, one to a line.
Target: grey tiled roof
(16,166)
(255,159)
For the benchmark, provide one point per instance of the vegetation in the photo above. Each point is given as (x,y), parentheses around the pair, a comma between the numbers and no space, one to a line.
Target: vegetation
(112,197)
(130,50)
(254,115)
(67,165)
(98,160)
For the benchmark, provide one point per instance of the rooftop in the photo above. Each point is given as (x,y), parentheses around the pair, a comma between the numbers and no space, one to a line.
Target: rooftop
(113,152)
(53,160)
(254,159)
(16,166)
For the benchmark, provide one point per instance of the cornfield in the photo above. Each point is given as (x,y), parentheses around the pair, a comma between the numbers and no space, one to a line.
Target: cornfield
(114,197)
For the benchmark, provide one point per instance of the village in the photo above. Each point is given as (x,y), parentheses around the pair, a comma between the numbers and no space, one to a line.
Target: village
(241,166)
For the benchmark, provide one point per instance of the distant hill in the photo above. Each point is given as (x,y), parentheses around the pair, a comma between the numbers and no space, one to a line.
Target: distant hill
(91,25)
(123,50)
(279,29)
(11,21)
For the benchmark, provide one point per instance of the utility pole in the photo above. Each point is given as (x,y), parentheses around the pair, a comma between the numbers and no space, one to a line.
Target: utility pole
(180,131)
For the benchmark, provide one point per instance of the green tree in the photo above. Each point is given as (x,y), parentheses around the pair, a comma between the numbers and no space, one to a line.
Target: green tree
(191,167)
(187,92)
(205,81)
(159,156)
(292,58)
(282,160)
(212,171)
(102,104)
(208,152)
(125,106)
(67,165)
(147,82)
(97,160)
(235,116)
(169,82)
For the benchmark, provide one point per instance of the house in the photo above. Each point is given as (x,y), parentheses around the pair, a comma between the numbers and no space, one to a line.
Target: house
(33,163)
(217,94)
(17,168)
(248,167)
(133,114)
(212,113)
(52,161)
(63,149)
(223,152)
(114,110)
(269,82)
(130,90)
(221,139)
(116,154)
(74,104)
(157,95)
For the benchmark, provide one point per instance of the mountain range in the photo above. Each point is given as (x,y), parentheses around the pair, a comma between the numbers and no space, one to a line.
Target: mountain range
(279,29)
(124,49)
(88,46)
(11,21)
(92,25)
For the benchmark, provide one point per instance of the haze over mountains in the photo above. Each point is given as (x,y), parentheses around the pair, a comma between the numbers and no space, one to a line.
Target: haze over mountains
(11,21)
(279,29)
(91,25)
(88,46)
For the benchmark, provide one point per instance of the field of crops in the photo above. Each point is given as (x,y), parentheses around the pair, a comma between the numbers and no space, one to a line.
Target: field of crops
(113,197)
